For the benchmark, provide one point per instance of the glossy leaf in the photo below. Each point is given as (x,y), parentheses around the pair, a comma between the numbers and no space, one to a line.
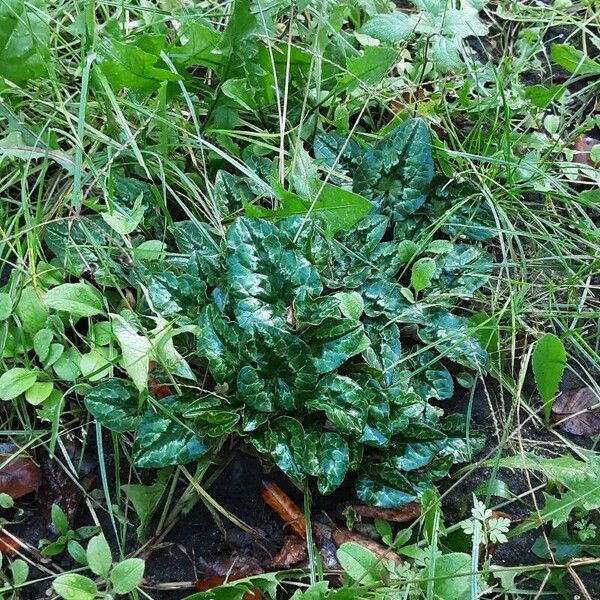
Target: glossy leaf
(77,299)
(397,171)
(333,460)
(114,404)
(163,439)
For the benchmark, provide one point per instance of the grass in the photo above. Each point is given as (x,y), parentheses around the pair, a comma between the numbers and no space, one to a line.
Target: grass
(76,130)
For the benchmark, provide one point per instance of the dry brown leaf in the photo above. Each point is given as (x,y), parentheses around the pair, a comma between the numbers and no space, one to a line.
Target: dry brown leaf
(19,476)
(8,545)
(408,512)
(221,569)
(578,412)
(582,147)
(284,506)
(292,552)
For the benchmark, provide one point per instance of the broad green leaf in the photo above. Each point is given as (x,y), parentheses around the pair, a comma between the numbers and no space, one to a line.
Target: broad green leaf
(542,96)
(163,439)
(281,374)
(548,361)
(99,556)
(351,304)
(452,576)
(38,392)
(31,310)
(265,272)
(6,306)
(20,571)
(335,207)
(16,381)
(343,401)
(123,220)
(127,66)
(359,563)
(136,351)
(334,341)
(72,586)
(59,519)
(95,364)
(392,28)
(24,41)
(396,172)
(41,343)
(382,485)
(127,575)
(421,274)
(199,45)
(370,67)
(334,460)
(145,500)
(573,60)
(114,404)
(78,299)
(67,364)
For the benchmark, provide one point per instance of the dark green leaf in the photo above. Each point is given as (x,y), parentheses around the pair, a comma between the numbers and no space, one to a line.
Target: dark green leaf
(114,403)
(333,460)
(334,341)
(163,439)
(397,171)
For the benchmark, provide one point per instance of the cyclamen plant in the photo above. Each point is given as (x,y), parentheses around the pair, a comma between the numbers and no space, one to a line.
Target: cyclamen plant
(322,348)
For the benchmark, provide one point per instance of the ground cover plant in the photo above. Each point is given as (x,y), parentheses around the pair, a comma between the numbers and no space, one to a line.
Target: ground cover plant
(299,299)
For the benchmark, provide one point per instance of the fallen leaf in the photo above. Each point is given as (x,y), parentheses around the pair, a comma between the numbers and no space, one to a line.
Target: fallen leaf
(284,506)
(292,552)
(408,512)
(578,412)
(8,544)
(221,569)
(341,536)
(582,147)
(61,488)
(19,475)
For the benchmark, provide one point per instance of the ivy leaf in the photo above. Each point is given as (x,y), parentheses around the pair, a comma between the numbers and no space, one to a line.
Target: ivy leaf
(463,270)
(24,41)
(333,460)
(281,374)
(343,401)
(381,485)
(163,439)
(114,404)
(334,341)
(265,272)
(220,343)
(198,243)
(397,171)
(452,337)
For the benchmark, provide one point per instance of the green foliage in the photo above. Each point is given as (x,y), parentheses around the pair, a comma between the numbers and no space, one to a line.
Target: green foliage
(549,360)
(24,36)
